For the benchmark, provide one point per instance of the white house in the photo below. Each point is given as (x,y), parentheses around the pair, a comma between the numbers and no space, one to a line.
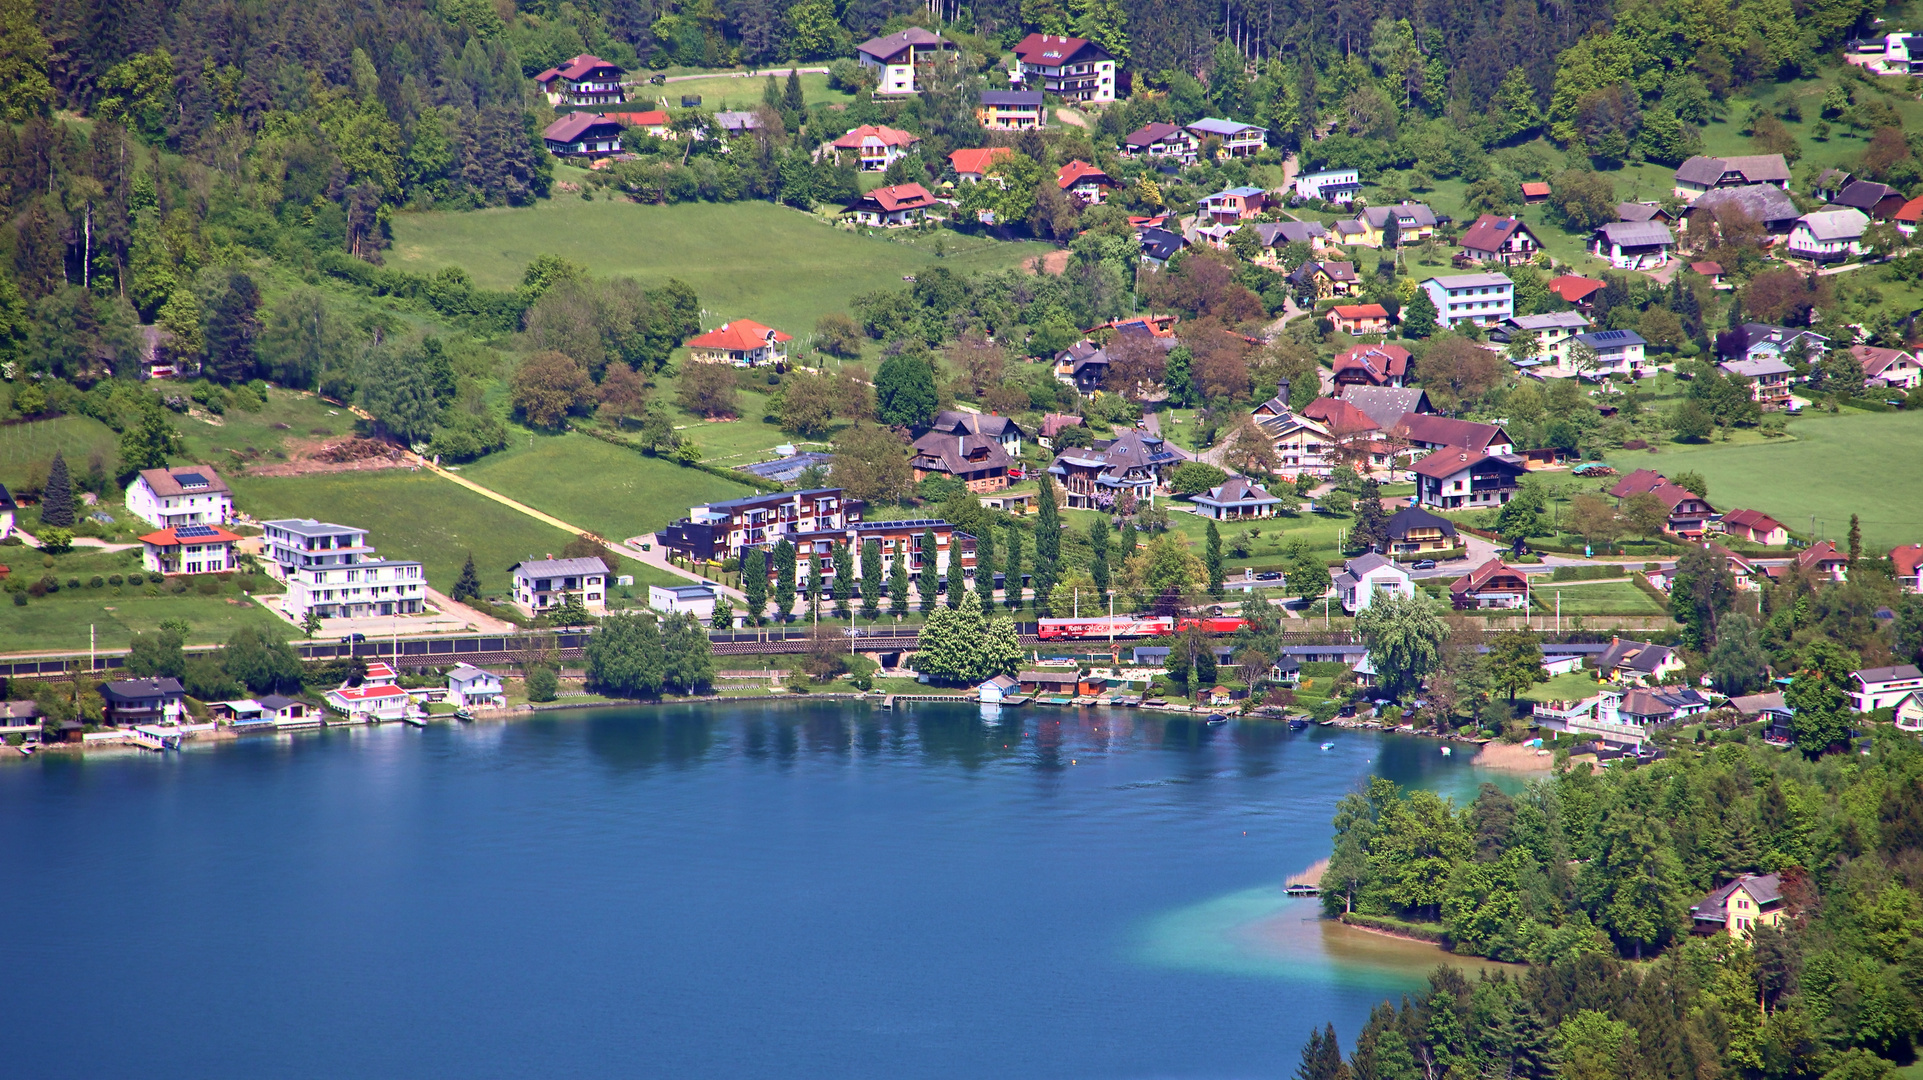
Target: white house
(189,549)
(1634,245)
(1548,336)
(1238,139)
(696,600)
(996,690)
(1364,576)
(1072,68)
(183,495)
(1617,352)
(543,584)
(1876,688)
(470,687)
(1828,235)
(1330,185)
(896,58)
(1234,500)
(369,703)
(332,571)
(1483,299)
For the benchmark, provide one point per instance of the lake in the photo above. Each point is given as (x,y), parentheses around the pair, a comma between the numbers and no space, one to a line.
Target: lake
(800,890)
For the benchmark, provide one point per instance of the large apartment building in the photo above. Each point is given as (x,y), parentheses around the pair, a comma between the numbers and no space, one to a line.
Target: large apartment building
(332,571)
(723,530)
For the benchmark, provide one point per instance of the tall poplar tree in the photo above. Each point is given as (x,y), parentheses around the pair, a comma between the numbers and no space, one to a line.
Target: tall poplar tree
(1098,557)
(1012,585)
(898,581)
(784,556)
(985,567)
(928,585)
(1213,559)
(754,583)
(871,578)
(844,578)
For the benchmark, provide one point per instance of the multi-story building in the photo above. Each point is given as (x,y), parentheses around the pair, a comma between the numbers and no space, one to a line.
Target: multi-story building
(584,80)
(815,551)
(545,584)
(1455,478)
(900,61)
(1130,466)
(1547,337)
(1768,377)
(1615,352)
(182,495)
(1330,185)
(189,549)
(583,134)
(877,146)
(333,572)
(1238,139)
(1158,139)
(1069,67)
(723,530)
(1483,299)
(1012,110)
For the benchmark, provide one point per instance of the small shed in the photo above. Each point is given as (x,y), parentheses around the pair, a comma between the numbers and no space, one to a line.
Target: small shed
(1535,191)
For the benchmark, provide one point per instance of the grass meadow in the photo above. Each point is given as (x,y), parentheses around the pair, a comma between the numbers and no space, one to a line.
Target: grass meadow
(1601,598)
(777,266)
(614,492)
(61,620)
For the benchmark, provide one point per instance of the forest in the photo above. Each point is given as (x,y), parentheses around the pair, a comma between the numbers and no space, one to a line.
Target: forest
(1589,876)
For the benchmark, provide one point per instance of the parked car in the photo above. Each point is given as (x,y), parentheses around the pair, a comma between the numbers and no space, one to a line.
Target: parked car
(353,639)
(1269,575)
(1423,564)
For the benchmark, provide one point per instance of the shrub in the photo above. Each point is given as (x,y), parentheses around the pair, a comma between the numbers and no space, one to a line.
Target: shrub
(38,588)
(96,581)
(542,684)
(114,579)
(209,586)
(73,583)
(177,586)
(19,599)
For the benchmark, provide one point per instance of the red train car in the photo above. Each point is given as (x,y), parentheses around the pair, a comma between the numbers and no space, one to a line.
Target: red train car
(1103,627)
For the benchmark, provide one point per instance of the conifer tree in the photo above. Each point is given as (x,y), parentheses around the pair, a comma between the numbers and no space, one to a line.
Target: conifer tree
(1048,526)
(793,102)
(985,567)
(784,558)
(56,501)
(468,586)
(844,578)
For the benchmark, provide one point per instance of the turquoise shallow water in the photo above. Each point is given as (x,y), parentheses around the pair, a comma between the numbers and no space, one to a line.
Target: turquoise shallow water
(810,890)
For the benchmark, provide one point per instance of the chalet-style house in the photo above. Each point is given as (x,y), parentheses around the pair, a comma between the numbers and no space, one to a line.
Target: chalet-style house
(1740,906)
(1636,662)
(1160,245)
(893,207)
(1907,562)
(1577,291)
(1324,279)
(1828,236)
(1278,234)
(1068,67)
(1454,478)
(544,584)
(1354,437)
(1615,352)
(180,495)
(1365,577)
(1359,319)
(1893,367)
(1700,174)
(1371,365)
(1426,432)
(1330,185)
(1761,339)
(1755,527)
(1549,335)
(1159,140)
(743,343)
(1491,585)
(1131,465)
(1483,299)
(1654,706)
(1083,365)
(1238,139)
(1235,499)
(1004,430)
(1821,559)
(1234,205)
(1504,240)
(1301,445)
(723,530)
(1878,201)
(1765,204)
(1083,182)
(189,549)
(469,687)
(1415,531)
(584,135)
(1769,379)
(1634,245)
(876,146)
(971,165)
(1012,110)
(899,59)
(976,459)
(1689,515)
(584,80)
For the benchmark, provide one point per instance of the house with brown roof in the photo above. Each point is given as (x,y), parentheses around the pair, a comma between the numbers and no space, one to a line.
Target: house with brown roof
(1429,432)
(971,165)
(1908,562)
(893,207)
(1637,482)
(898,59)
(1653,706)
(1740,907)
(1071,68)
(877,145)
(180,495)
(1894,367)
(583,80)
(1456,478)
(1636,662)
(1160,140)
(1701,174)
(1415,531)
(583,134)
(1821,559)
(1576,290)
(977,460)
(1132,465)
(1358,319)
(1494,584)
(1371,365)
(1642,211)
(1054,424)
(743,343)
(1755,527)
(1083,182)
(1496,239)
(1688,514)
(1003,429)
(1339,416)
(1879,201)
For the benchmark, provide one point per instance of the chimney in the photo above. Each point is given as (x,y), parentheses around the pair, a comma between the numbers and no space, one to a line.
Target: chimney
(1282,392)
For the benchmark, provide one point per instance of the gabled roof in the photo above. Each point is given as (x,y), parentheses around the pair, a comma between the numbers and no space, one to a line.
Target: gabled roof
(548,568)
(941,451)
(977,160)
(1763,888)
(1894,673)
(880,133)
(576,68)
(1907,557)
(1360,311)
(367,693)
(1637,656)
(1052,50)
(1340,415)
(1636,233)
(1149,134)
(573,126)
(1387,405)
(1912,211)
(1450,460)
(1754,168)
(1828,225)
(1752,519)
(1244,192)
(741,335)
(1289,232)
(650,118)
(1053,423)
(958,422)
(1766,203)
(1549,320)
(1160,244)
(1417,214)
(1235,491)
(1877,360)
(1447,431)
(1675,495)
(1767,364)
(882,48)
(1823,551)
(184,480)
(1660,701)
(138,689)
(1639,211)
(900,197)
(1535,189)
(1378,363)
(1611,339)
(1490,232)
(1077,171)
(1864,194)
(1478,579)
(1638,482)
(1363,564)
(1410,518)
(1574,288)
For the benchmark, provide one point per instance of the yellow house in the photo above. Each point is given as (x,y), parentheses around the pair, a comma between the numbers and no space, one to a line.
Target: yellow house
(1741,906)
(1415,223)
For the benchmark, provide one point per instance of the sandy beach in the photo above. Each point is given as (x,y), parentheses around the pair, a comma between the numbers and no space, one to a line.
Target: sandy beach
(1514,758)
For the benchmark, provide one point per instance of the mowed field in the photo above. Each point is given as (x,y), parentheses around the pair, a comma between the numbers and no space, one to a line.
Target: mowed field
(611,491)
(1851,463)
(750,260)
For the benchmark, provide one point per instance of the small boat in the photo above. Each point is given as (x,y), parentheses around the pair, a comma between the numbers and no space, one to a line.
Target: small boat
(29,749)
(1218,718)
(463,714)
(1446,751)
(1327,745)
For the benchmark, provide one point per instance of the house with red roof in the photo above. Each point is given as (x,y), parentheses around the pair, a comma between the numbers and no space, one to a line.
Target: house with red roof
(1494,584)
(1576,290)
(584,80)
(1636,483)
(369,703)
(189,549)
(892,207)
(1755,527)
(583,134)
(1071,68)
(1821,559)
(653,121)
(1457,478)
(1896,367)
(1908,216)
(743,343)
(1084,183)
(1908,560)
(1534,191)
(1426,431)
(877,145)
(1372,365)
(1359,319)
(972,165)
(1689,513)
(1504,240)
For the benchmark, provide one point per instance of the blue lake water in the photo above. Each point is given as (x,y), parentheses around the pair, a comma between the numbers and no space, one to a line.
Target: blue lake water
(805,890)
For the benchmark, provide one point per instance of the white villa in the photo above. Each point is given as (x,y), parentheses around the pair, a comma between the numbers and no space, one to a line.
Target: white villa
(182,495)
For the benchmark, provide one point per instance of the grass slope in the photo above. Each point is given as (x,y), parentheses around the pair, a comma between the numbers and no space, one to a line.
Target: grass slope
(746,260)
(1850,463)
(614,492)
(25,445)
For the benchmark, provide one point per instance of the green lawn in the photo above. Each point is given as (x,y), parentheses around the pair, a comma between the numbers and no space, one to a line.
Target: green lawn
(24,446)
(61,620)
(735,92)
(261,436)
(615,492)
(751,260)
(412,516)
(1601,598)
(1835,466)
(1572,687)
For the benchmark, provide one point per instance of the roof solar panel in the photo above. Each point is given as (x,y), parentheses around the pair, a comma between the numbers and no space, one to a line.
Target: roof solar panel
(191,480)
(190,531)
